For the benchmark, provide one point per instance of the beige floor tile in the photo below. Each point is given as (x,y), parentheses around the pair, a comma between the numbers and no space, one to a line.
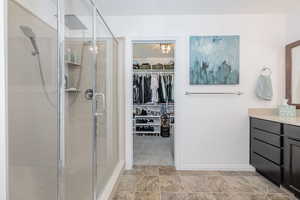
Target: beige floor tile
(143,171)
(271,188)
(198,173)
(151,170)
(248,173)
(128,183)
(134,171)
(238,173)
(178,196)
(148,184)
(230,173)
(123,196)
(147,196)
(171,184)
(165,183)
(241,184)
(280,197)
(213,196)
(204,184)
(247,196)
(167,171)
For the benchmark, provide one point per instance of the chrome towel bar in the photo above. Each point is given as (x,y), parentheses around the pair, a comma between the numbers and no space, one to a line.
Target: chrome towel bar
(213,93)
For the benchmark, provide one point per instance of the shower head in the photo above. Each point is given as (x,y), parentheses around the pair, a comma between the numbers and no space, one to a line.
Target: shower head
(74,23)
(31,35)
(27,31)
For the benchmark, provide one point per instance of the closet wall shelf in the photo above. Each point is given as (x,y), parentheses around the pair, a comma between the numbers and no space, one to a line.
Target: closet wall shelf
(72,64)
(160,104)
(146,116)
(147,124)
(155,132)
(149,71)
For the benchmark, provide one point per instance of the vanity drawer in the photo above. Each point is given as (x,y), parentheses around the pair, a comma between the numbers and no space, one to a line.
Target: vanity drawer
(292,131)
(265,125)
(266,137)
(266,150)
(267,168)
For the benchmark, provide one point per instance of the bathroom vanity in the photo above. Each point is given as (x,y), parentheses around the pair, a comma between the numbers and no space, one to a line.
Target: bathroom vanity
(275,147)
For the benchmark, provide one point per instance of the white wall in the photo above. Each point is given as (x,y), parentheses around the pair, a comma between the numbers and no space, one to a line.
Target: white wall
(212,132)
(293,28)
(46,13)
(3,145)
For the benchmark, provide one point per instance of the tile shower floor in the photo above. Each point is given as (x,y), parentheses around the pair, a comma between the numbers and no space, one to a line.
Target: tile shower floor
(165,183)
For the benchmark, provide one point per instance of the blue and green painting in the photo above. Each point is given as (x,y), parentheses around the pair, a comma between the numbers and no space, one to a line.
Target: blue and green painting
(214,60)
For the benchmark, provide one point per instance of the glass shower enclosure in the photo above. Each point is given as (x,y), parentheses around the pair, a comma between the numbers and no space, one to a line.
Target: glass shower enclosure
(63,100)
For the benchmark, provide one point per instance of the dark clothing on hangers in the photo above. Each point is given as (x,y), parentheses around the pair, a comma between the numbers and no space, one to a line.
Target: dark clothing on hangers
(161,98)
(169,88)
(137,89)
(147,89)
(142,91)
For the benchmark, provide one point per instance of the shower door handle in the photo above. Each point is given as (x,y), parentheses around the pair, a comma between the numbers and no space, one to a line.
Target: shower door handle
(103,104)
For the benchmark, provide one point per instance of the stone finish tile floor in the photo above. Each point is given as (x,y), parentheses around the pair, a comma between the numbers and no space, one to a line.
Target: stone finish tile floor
(166,183)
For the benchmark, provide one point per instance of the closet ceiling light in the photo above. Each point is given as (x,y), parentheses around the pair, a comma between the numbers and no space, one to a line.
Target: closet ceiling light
(165,48)
(94,49)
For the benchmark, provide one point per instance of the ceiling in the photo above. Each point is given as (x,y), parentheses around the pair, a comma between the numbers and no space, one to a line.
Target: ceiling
(187,7)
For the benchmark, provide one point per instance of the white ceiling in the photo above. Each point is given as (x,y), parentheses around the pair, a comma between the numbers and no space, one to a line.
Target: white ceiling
(163,7)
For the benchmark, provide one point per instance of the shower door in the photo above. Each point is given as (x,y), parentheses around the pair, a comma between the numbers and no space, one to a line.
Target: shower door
(89,133)
(77,74)
(106,121)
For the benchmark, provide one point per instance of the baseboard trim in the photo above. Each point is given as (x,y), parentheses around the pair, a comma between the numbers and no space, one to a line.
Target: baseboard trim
(217,167)
(111,186)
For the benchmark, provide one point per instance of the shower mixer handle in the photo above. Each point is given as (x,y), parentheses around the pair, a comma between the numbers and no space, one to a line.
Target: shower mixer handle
(89,94)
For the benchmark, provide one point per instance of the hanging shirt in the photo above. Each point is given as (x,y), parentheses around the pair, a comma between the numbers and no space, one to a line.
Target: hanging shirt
(154,88)
(147,89)
(172,88)
(163,85)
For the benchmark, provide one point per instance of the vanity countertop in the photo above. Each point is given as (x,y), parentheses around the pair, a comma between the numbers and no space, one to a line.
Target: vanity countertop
(271,115)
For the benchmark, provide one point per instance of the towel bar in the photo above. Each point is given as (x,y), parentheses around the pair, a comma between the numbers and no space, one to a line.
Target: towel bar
(213,93)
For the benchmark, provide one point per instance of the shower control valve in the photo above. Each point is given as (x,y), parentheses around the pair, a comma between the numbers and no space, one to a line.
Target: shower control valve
(88,94)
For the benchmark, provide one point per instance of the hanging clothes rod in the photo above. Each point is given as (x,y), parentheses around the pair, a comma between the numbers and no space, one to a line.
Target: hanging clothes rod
(145,72)
(213,93)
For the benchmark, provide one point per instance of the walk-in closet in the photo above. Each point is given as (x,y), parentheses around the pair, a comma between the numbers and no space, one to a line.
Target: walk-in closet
(153,103)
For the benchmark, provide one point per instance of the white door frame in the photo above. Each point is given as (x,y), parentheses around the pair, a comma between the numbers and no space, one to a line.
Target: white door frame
(129,97)
(3,101)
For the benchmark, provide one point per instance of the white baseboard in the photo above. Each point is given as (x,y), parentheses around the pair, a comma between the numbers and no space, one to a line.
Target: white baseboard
(217,167)
(110,188)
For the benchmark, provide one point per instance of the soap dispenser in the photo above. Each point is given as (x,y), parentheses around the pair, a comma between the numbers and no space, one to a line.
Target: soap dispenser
(286,110)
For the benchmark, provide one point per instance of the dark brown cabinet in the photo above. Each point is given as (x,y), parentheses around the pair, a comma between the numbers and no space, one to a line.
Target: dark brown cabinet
(275,152)
(266,149)
(292,158)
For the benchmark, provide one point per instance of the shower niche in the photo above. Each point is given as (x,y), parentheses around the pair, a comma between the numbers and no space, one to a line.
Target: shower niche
(74,57)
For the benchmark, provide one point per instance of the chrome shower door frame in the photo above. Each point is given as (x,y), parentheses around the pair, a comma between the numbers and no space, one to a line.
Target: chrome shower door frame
(97,99)
(61,101)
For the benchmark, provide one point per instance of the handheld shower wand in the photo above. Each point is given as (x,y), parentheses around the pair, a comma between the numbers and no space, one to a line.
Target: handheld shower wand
(30,34)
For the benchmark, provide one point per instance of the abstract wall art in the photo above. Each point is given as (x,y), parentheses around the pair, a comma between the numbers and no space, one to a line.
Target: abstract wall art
(214,60)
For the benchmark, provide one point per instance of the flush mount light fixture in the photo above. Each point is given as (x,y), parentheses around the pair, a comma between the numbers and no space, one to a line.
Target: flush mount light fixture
(93,49)
(165,48)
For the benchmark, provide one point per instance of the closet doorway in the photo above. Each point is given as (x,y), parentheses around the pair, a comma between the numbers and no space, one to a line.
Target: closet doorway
(153,102)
